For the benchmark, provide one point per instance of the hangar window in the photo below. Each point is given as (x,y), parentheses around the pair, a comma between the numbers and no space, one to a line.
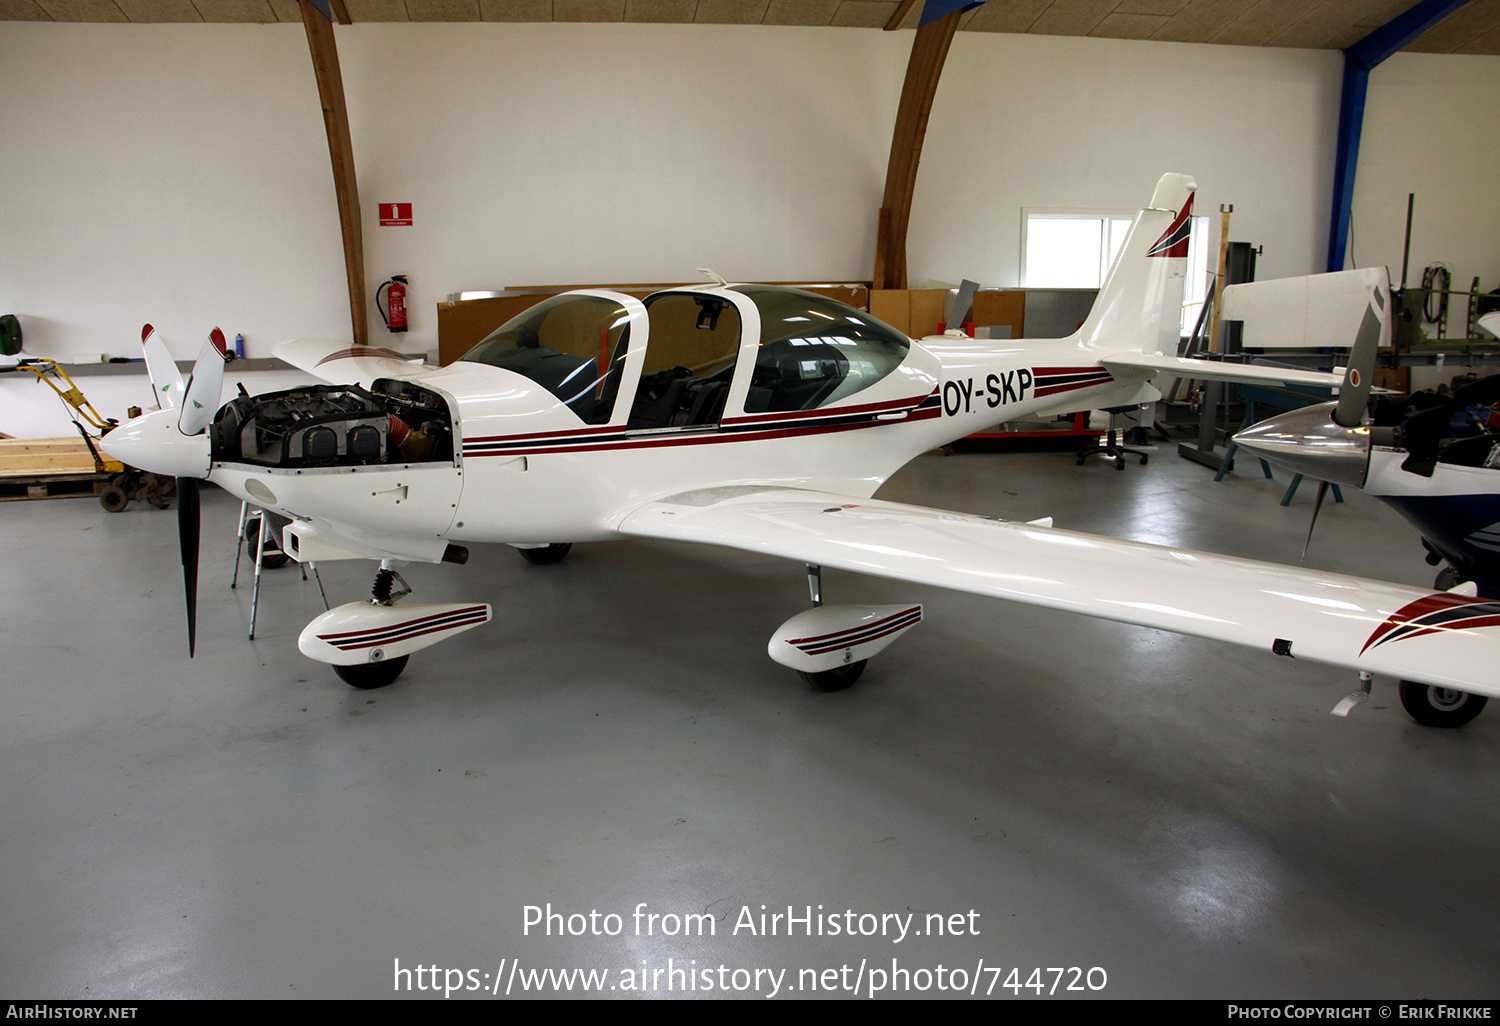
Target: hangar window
(815,351)
(1070,250)
(573,346)
(1074,250)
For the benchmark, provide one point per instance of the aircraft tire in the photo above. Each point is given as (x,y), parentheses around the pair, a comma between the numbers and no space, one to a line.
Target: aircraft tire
(547,555)
(369,676)
(839,678)
(1440,707)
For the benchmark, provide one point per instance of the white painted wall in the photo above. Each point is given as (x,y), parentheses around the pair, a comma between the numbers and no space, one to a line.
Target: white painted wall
(1430,130)
(1049,121)
(179,173)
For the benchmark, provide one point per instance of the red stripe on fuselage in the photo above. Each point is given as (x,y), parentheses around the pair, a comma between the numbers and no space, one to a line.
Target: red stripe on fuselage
(516,445)
(707,438)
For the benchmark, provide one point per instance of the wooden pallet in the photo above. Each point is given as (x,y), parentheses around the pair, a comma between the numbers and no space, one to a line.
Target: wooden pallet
(53,487)
(47,468)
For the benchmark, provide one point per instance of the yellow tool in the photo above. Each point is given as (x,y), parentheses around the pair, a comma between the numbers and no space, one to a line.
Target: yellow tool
(125,483)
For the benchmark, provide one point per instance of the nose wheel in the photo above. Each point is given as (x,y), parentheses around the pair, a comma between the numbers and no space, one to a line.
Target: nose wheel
(368,676)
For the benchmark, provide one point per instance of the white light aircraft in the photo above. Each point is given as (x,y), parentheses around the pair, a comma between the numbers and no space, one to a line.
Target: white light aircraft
(759,418)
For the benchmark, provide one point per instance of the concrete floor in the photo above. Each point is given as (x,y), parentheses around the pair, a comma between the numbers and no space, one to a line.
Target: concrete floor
(1184,818)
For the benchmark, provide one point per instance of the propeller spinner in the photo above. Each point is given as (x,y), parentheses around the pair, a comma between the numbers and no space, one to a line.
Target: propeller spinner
(1329,442)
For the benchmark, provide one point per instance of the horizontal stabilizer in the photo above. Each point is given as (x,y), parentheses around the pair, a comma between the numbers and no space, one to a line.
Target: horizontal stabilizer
(1220,370)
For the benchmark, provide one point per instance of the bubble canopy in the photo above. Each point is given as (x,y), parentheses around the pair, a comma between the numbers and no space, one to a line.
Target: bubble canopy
(815,351)
(812,352)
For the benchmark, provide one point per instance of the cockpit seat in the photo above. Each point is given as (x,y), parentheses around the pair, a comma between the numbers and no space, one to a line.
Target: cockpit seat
(702,403)
(658,398)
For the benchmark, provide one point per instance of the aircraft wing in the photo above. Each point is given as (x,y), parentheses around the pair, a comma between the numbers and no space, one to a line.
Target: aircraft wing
(339,362)
(1219,370)
(1405,632)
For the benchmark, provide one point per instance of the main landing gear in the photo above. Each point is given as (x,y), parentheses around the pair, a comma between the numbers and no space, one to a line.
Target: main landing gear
(840,678)
(829,646)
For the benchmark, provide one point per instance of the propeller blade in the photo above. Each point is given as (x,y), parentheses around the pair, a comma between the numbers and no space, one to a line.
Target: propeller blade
(162,369)
(187,537)
(1354,395)
(1317,505)
(201,401)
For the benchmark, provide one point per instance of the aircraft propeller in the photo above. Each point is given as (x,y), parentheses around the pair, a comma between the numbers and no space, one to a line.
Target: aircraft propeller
(1354,394)
(174,440)
(199,404)
(166,382)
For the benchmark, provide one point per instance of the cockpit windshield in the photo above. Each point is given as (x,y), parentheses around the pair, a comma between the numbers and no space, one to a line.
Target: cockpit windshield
(573,346)
(815,351)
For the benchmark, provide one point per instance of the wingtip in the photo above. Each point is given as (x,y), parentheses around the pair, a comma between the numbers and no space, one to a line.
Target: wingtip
(146,331)
(217,338)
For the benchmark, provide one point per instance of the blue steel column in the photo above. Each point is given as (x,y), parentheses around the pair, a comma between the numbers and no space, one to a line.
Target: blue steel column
(1359,59)
(1351,122)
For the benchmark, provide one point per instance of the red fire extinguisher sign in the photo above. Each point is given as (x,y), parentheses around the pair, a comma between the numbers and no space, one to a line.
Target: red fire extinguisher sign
(395,215)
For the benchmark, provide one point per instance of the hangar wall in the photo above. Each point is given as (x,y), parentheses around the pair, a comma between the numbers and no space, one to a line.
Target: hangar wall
(1029,128)
(1429,130)
(179,173)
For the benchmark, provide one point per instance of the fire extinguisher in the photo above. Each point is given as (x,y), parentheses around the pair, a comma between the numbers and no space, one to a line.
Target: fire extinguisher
(393,310)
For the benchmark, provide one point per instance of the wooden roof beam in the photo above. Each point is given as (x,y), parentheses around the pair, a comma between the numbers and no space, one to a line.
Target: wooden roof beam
(929,50)
(325,60)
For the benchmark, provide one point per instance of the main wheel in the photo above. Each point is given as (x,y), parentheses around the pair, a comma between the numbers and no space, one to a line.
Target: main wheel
(368,676)
(547,554)
(1433,706)
(836,679)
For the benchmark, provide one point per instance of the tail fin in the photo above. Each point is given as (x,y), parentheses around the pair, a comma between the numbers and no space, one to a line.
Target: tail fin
(1139,308)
